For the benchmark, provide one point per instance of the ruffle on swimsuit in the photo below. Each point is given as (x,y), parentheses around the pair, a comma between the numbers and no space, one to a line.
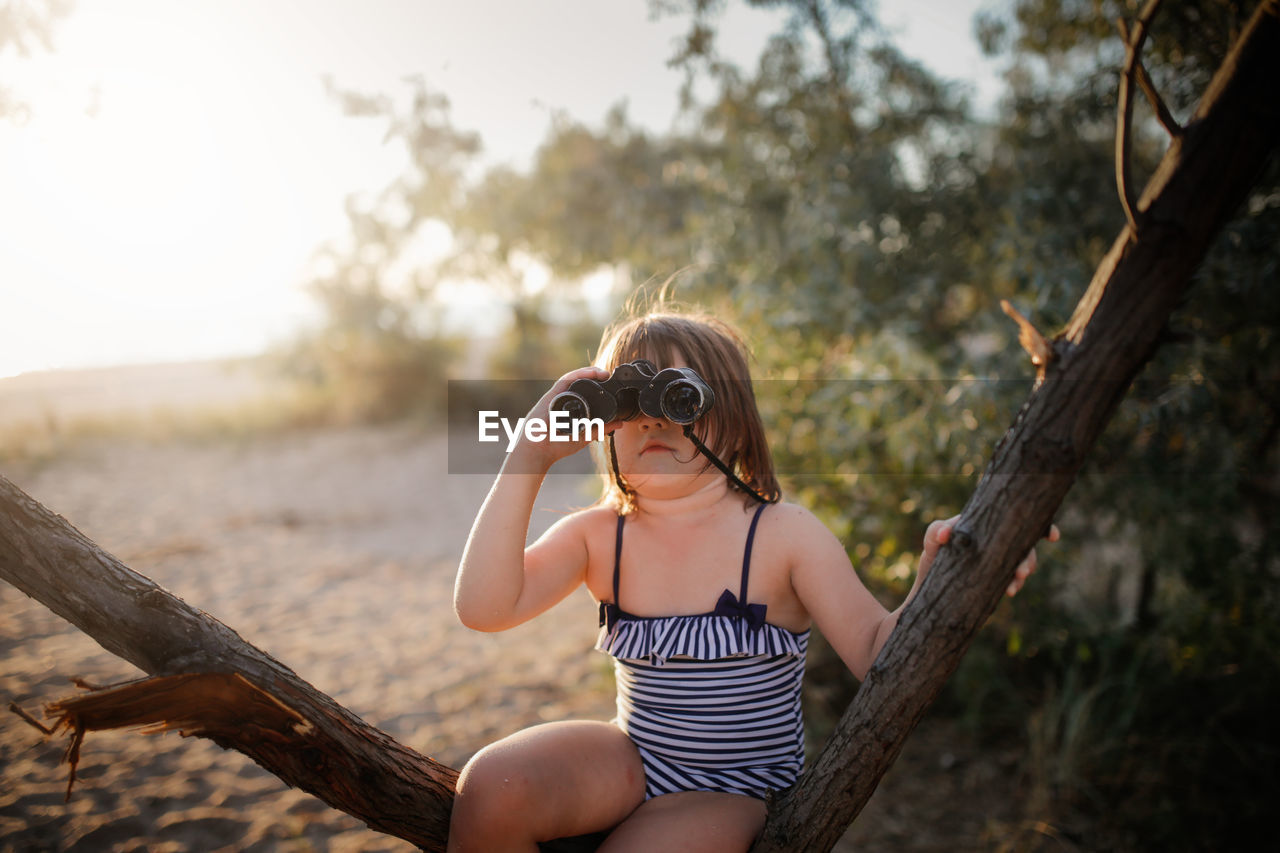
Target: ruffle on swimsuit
(705,636)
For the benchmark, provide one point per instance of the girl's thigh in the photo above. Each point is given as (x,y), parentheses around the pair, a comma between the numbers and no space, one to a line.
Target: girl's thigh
(554,780)
(694,821)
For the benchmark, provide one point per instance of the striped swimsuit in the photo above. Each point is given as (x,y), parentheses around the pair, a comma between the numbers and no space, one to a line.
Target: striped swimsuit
(712,701)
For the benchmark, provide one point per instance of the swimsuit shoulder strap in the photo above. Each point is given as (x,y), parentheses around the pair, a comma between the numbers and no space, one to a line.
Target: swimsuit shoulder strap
(617,562)
(746,556)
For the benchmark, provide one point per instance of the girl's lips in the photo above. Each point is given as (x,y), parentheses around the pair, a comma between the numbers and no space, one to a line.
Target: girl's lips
(654,446)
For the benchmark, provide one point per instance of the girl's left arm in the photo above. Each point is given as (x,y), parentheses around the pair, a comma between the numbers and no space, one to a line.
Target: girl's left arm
(852,620)
(825,582)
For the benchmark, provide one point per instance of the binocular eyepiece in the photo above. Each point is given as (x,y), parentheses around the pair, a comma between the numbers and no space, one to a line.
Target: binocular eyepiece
(676,393)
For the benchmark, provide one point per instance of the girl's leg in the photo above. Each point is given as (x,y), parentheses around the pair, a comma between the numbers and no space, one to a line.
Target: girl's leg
(550,781)
(694,821)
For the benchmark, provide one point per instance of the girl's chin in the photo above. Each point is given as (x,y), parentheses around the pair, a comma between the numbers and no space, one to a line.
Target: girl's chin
(664,481)
(639,478)
(662,464)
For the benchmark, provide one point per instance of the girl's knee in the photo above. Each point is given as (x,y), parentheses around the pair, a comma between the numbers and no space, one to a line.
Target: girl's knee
(494,791)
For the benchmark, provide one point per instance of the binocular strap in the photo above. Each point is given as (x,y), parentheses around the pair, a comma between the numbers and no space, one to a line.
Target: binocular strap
(715,460)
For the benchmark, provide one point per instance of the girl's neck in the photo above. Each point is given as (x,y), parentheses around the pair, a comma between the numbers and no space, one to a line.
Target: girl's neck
(707,496)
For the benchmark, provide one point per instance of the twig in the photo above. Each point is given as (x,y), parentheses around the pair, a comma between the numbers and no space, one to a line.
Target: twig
(1032,341)
(1167,121)
(13,706)
(1124,118)
(72,756)
(1165,117)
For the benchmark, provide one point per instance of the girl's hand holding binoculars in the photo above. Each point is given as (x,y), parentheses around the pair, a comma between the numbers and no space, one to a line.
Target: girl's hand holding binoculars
(550,452)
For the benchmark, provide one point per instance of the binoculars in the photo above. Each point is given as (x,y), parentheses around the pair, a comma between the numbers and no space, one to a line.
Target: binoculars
(677,393)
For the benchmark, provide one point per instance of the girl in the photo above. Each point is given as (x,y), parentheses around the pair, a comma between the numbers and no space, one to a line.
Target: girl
(707,593)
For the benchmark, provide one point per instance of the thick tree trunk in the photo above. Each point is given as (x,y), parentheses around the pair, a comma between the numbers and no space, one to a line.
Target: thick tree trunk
(245,700)
(1202,180)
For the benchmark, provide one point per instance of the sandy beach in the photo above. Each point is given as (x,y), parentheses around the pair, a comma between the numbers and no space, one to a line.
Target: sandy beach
(334,550)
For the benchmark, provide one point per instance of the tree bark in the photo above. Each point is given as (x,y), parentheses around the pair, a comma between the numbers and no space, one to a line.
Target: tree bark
(1199,184)
(312,743)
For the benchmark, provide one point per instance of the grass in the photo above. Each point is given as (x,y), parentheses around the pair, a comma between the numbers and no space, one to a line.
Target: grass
(42,439)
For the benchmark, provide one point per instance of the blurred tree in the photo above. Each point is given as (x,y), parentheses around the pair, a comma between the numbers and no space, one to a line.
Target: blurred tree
(592,199)
(26,25)
(480,223)
(382,350)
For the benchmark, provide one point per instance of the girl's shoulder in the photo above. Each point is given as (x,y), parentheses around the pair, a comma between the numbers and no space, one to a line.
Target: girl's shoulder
(590,522)
(586,537)
(790,517)
(796,530)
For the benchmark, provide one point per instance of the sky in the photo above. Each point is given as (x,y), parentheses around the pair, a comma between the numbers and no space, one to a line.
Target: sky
(180,163)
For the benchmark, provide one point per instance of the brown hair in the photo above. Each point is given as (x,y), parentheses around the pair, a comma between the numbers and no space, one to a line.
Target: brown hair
(733,429)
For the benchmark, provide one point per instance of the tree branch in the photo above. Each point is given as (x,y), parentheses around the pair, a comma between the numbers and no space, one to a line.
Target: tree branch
(1201,181)
(1167,121)
(1124,117)
(308,740)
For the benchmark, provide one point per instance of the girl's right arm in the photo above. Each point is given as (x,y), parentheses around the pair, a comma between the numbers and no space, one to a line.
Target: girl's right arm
(500,583)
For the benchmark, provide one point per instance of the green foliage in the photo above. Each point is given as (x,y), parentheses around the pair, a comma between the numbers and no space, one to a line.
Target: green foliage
(591,198)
